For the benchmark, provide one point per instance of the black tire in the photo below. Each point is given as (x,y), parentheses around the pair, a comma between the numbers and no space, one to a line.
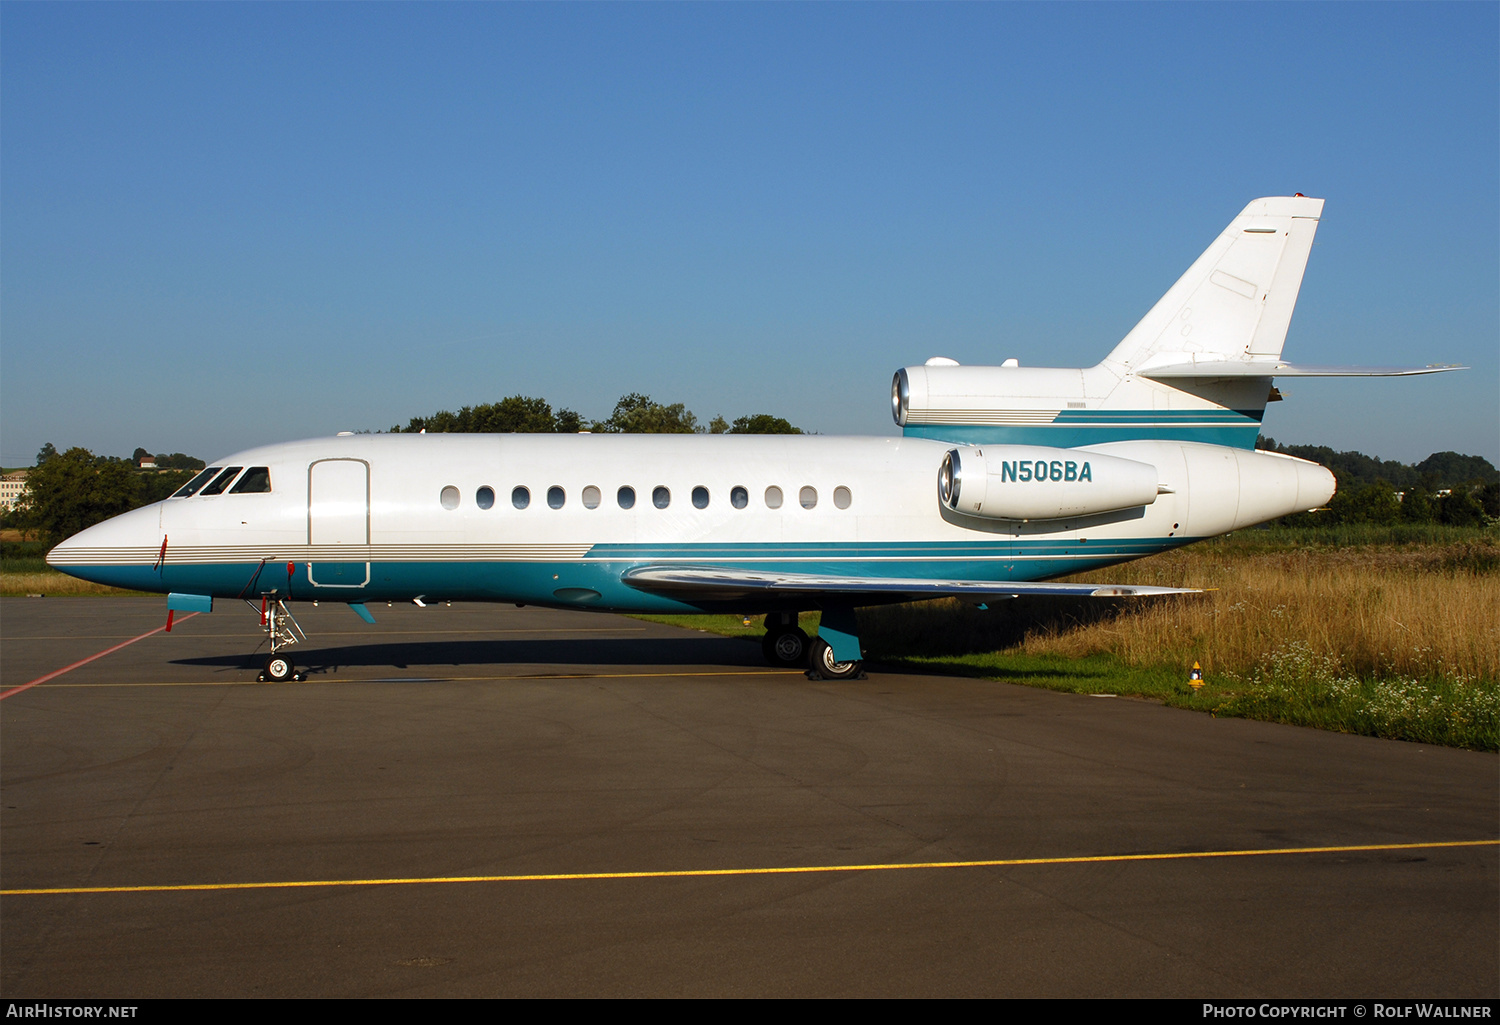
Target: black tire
(279,669)
(825,665)
(785,648)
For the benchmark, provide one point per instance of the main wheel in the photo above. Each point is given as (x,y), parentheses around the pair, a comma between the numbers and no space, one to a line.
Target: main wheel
(827,666)
(279,669)
(787,647)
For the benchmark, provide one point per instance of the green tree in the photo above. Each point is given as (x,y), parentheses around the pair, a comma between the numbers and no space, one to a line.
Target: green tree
(763,423)
(178,461)
(49,451)
(518,414)
(74,490)
(1489,499)
(1373,503)
(1451,469)
(1417,507)
(515,415)
(638,414)
(1461,507)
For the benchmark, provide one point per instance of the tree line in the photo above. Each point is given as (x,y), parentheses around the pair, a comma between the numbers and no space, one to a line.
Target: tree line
(633,414)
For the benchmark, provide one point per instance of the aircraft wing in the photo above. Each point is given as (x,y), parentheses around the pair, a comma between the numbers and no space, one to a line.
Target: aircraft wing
(1276,368)
(719,584)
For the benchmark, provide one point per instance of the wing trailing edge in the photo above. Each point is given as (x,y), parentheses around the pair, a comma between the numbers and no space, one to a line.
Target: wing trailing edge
(713,583)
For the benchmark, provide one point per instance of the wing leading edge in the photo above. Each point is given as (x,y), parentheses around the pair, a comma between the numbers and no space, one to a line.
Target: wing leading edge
(713,583)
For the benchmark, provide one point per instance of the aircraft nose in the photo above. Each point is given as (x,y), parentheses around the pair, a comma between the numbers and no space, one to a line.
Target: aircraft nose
(122,536)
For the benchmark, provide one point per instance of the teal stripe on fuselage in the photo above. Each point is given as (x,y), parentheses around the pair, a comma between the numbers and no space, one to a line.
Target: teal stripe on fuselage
(1074,427)
(1157,416)
(600,573)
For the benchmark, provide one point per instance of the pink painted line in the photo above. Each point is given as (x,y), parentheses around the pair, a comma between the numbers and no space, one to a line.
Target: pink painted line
(85,661)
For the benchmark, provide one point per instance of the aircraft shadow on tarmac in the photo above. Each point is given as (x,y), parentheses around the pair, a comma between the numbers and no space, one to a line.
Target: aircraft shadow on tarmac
(676,651)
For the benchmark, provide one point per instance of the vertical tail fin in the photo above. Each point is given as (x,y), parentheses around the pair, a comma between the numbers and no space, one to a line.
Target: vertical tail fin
(1235,302)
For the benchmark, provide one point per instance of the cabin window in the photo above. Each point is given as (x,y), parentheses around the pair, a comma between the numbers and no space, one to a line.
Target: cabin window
(808,496)
(626,497)
(773,497)
(256,481)
(520,497)
(449,497)
(190,489)
(841,497)
(661,497)
(222,481)
(556,496)
(591,497)
(739,497)
(485,497)
(700,497)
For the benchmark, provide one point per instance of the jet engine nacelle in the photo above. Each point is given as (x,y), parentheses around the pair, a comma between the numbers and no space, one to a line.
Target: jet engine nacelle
(1030,482)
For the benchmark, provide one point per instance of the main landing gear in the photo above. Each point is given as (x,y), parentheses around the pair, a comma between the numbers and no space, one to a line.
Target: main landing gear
(822,663)
(787,646)
(283,631)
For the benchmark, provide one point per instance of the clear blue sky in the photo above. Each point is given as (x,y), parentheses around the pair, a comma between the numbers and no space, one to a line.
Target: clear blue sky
(229,224)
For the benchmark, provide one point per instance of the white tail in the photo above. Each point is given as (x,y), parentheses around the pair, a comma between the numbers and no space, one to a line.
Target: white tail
(1235,302)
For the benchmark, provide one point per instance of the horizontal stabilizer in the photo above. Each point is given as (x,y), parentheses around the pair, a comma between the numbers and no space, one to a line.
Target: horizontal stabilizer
(1266,368)
(711,583)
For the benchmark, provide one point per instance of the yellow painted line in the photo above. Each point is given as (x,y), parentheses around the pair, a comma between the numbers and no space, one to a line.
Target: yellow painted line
(787,870)
(425,679)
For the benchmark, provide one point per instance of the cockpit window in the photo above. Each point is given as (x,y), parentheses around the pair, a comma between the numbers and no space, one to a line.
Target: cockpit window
(222,481)
(190,489)
(256,481)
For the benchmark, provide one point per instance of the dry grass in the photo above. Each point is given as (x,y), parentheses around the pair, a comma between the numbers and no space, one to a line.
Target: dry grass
(1430,612)
(51,584)
(1378,612)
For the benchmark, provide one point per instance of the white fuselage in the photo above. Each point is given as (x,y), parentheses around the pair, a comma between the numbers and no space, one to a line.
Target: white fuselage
(400,516)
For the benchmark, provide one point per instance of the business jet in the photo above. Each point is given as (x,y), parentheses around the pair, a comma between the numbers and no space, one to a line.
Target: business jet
(1003,478)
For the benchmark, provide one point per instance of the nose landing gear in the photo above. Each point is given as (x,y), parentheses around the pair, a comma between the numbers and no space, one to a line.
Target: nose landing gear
(283,630)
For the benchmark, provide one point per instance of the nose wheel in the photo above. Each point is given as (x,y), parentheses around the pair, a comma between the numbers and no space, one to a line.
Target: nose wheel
(279,669)
(282,630)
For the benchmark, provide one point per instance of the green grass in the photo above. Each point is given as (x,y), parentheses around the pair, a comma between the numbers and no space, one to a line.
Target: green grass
(1452,713)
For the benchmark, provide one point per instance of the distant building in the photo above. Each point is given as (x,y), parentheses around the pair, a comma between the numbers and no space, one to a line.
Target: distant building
(12,487)
(148,462)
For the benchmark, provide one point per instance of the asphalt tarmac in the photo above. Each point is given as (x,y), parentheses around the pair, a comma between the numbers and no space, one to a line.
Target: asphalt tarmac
(491,801)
